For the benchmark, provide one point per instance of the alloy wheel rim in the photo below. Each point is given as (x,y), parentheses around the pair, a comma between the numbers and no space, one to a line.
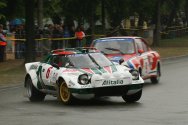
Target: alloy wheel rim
(64,92)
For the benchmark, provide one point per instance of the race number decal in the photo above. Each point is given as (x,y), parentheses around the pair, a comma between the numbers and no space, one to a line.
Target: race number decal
(48,72)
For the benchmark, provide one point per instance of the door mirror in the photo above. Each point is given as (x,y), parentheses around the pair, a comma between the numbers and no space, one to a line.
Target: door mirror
(121,61)
(140,51)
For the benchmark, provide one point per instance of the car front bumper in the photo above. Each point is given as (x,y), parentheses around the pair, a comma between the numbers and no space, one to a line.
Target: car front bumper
(106,91)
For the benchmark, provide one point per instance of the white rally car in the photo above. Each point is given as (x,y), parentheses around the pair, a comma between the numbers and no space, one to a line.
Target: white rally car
(80,74)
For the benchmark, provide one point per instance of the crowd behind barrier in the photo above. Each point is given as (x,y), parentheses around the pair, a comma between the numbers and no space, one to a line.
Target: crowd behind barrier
(57,36)
(174,31)
(47,39)
(15,48)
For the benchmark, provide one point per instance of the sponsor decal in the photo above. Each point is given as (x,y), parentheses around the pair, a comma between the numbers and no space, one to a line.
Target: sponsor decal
(48,72)
(70,70)
(33,67)
(114,82)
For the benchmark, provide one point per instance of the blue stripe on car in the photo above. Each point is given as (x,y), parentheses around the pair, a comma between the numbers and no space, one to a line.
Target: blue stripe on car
(112,39)
(130,65)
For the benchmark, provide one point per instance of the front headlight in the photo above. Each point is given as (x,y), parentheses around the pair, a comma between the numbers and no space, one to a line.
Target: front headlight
(83,79)
(135,74)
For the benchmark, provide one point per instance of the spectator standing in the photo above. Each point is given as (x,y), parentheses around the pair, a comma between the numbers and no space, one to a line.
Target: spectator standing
(56,34)
(46,43)
(66,34)
(79,34)
(2,44)
(38,35)
(20,45)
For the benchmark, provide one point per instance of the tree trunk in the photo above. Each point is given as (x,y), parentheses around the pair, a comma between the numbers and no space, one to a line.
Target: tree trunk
(103,15)
(157,35)
(30,33)
(92,22)
(40,13)
(173,13)
(186,12)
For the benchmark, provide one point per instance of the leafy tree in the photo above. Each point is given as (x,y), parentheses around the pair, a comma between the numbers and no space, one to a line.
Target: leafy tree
(174,7)
(14,9)
(117,11)
(157,23)
(53,9)
(186,11)
(2,16)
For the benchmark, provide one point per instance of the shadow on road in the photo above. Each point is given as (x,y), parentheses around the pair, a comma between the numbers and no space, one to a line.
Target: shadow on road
(97,102)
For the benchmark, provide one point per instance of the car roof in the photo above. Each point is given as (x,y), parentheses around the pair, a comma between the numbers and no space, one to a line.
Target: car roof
(71,51)
(120,37)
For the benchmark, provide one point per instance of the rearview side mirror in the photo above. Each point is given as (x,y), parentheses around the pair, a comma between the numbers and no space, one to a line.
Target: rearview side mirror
(140,51)
(121,61)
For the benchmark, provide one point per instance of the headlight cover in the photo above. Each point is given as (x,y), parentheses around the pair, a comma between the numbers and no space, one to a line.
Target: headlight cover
(135,74)
(83,79)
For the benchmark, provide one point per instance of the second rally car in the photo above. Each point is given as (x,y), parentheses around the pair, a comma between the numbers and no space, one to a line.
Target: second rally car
(133,52)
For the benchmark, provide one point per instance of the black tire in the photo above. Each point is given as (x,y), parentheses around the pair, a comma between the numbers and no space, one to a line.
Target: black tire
(132,98)
(156,79)
(64,95)
(33,94)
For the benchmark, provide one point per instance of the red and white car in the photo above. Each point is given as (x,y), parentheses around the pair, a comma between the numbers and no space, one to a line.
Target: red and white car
(132,52)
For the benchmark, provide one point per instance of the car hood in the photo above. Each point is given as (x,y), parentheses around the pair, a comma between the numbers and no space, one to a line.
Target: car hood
(117,57)
(101,70)
(90,71)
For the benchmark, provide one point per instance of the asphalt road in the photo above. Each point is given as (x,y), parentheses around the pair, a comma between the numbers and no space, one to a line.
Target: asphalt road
(165,103)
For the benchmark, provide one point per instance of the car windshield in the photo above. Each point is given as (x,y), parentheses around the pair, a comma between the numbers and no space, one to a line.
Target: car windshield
(115,45)
(100,59)
(93,60)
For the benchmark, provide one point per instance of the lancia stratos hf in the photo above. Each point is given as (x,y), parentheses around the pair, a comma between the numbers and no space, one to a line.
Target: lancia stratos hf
(80,73)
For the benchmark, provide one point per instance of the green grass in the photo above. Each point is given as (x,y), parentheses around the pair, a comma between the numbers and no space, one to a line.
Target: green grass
(173,47)
(175,42)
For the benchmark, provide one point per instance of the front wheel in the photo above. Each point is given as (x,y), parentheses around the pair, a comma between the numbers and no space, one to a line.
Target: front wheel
(157,78)
(33,94)
(132,98)
(64,94)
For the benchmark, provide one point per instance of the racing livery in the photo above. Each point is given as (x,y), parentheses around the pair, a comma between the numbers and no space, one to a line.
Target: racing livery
(81,73)
(132,52)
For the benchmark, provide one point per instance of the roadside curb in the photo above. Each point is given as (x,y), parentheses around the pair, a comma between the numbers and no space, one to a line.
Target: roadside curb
(174,58)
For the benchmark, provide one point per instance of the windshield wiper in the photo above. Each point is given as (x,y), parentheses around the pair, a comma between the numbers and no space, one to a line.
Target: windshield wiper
(94,61)
(113,49)
(103,52)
